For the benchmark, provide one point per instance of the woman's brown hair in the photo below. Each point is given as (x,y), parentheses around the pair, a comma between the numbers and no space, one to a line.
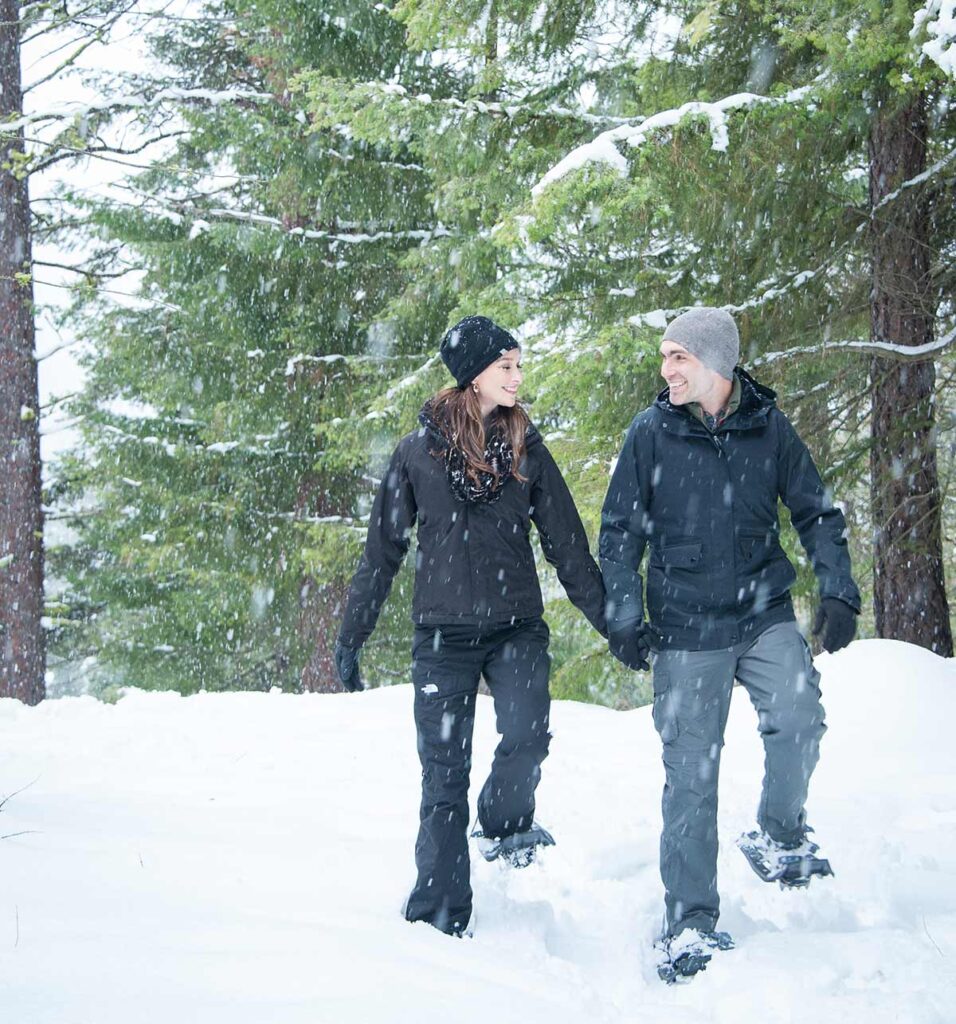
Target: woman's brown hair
(458,414)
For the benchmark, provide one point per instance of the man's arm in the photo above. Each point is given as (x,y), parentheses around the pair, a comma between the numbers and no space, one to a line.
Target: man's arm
(624,528)
(820,525)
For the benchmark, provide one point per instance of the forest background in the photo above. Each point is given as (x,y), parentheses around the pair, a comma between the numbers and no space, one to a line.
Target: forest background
(312,193)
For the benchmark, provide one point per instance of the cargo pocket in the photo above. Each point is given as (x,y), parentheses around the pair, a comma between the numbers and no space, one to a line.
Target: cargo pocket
(812,675)
(664,710)
(444,714)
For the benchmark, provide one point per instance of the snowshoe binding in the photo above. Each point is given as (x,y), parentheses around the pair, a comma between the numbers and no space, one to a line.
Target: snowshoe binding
(518,850)
(792,866)
(684,955)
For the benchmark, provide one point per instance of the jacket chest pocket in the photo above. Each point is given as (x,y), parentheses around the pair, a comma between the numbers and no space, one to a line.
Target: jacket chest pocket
(682,556)
(759,546)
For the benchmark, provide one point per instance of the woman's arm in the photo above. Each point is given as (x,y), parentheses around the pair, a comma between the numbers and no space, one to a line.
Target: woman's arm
(389,530)
(564,541)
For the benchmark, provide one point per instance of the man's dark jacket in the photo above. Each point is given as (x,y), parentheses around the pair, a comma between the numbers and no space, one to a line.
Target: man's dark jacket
(474,563)
(706,505)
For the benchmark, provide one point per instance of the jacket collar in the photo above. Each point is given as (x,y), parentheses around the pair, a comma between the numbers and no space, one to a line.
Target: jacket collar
(756,402)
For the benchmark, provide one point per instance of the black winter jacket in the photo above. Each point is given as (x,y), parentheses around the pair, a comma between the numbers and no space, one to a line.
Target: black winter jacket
(706,506)
(474,562)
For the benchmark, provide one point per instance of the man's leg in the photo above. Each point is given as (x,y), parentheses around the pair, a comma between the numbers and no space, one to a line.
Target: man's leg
(445,672)
(777,671)
(691,699)
(517,668)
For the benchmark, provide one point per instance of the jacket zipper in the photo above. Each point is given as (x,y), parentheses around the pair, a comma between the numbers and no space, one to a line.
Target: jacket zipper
(722,457)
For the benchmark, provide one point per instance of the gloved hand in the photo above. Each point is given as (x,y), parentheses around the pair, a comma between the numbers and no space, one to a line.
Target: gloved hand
(837,620)
(632,645)
(346,664)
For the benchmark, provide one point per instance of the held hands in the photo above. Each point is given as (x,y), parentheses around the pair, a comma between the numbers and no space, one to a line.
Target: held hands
(632,646)
(837,621)
(346,664)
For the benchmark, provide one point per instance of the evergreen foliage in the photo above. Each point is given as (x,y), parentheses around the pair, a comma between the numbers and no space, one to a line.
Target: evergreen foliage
(261,251)
(410,139)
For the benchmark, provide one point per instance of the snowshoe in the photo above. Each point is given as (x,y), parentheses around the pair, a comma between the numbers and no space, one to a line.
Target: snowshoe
(792,866)
(684,955)
(518,849)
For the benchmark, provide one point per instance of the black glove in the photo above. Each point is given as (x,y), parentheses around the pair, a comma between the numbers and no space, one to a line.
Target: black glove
(346,664)
(837,620)
(632,646)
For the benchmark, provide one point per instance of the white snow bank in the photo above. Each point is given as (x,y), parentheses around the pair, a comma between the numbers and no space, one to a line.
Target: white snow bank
(235,858)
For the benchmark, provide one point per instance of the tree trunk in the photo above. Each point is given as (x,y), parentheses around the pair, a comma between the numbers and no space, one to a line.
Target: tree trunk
(322,603)
(319,622)
(909,593)
(21,514)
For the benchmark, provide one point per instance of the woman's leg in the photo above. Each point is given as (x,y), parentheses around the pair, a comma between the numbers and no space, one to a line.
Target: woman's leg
(446,665)
(517,667)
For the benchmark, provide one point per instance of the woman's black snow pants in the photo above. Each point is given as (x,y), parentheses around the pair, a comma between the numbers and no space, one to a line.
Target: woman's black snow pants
(447,663)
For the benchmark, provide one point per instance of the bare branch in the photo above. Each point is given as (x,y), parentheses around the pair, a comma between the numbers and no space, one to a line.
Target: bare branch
(73,153)
(64,64)
(17,792)
(77,18)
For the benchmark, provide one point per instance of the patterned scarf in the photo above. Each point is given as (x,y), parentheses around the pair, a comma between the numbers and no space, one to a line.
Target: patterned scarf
(498,454)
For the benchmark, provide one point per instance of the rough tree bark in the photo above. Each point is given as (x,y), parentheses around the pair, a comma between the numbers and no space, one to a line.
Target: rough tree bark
(322,603)
(909,593)
(21,514)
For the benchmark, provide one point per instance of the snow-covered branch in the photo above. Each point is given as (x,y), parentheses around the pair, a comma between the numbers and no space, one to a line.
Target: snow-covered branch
(659,318)
(423,235)
(295,361)
(393,392)
(890,350)
(180,211)
(172,449)
(72,111)
(509,110)
(603,149)
(935,24)
(303,357)
(917,180)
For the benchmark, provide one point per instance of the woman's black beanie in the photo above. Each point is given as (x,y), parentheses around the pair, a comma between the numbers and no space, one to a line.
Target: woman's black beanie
(472,345)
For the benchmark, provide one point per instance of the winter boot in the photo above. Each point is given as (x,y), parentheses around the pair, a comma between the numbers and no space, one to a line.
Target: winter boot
(792,866)
(684,955)
(518,849)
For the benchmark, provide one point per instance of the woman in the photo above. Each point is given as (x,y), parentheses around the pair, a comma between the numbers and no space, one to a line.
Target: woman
(474,476)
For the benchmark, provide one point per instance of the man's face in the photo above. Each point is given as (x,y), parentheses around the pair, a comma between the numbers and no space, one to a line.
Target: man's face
(689,380)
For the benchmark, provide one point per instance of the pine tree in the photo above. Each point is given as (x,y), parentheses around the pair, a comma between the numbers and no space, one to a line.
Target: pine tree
(836,229)
(31,144)
(21,514)
(504,106)
(727,155)
(222,529)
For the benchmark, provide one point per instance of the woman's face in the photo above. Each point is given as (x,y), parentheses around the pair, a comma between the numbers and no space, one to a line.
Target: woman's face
(498,384)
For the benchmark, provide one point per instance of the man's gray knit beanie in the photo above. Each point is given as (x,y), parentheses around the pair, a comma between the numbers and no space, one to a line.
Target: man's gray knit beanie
(711,335)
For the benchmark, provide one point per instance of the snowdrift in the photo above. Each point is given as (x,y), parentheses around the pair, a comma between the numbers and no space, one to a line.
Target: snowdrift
(235,858)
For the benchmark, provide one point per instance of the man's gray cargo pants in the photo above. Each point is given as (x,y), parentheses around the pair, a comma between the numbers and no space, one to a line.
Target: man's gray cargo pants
(691,700)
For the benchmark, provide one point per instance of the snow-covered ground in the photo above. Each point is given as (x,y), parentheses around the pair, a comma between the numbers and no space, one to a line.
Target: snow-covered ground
(243,858)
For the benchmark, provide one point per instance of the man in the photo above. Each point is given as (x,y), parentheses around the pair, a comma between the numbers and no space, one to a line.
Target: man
(698,482)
